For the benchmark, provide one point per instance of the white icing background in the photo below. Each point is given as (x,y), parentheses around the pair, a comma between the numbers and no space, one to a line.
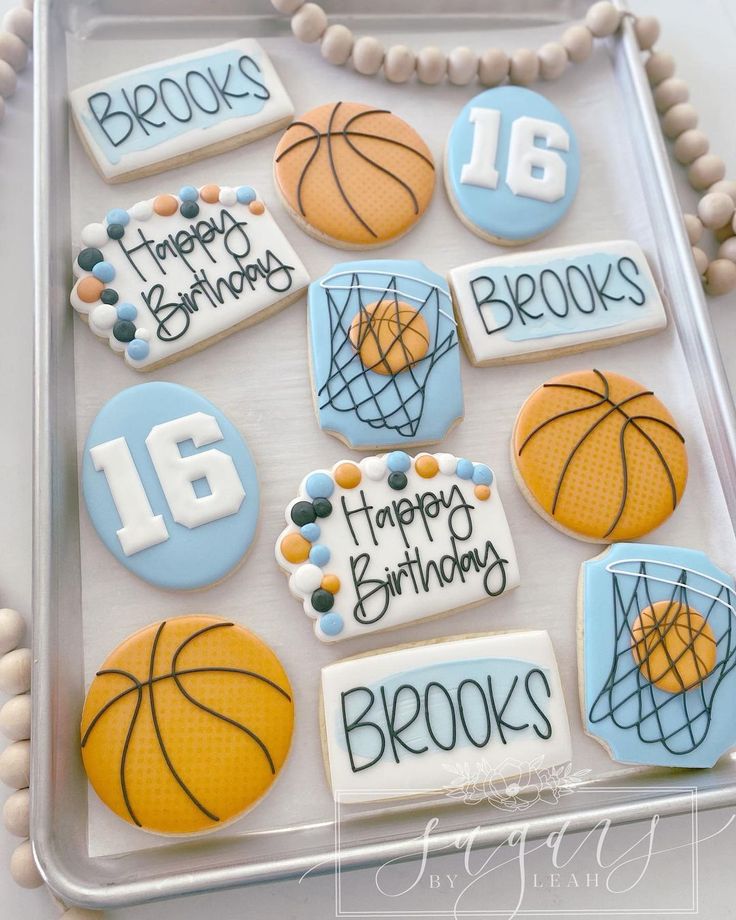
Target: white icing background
(609,206)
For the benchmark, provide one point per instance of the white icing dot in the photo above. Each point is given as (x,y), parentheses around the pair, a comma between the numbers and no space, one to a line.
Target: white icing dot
(307,578)
(103,317)
(447,463)
(374,467)
(142,210)
(95,235)
(142,334)
(228,197)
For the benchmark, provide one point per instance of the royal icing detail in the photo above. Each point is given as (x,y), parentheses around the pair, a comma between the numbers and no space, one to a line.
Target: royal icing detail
(659,655)
(393,539)
(356,175)
(512,164)
(170,486)
(599,456)
(140,121)
(385,356)
(186,725)
(405,720)
(525,306)
(169,274)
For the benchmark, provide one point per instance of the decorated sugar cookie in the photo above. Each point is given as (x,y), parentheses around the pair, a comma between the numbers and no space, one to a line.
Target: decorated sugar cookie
(384,354)
(599,456)
(511,165)
(186,725)
(171,275)
(354,175)
(658,659)
(393,539)
(170,486)
(410,720)
(533,305)
(173,112)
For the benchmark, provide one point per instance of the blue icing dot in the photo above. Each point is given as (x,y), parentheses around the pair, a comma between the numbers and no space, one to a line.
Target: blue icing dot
(331,624)
(320,485)
(138,349)
(245,194)
(464,469)
(482,474)
(398,461)
(127,311)
(104,271)
(310,532)
(118,216)
(319,554)
(188,193)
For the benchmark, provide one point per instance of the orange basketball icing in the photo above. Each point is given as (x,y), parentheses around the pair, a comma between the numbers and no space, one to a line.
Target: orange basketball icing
(356,174)
(389,336)
(673,645)
(600,454)
(186,725)
(295,548)
(165,205)
(348,475)
(426,466)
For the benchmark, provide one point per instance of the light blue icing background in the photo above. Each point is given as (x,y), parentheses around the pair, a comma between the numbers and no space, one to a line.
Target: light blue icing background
(189,558)
(551,325)
(599,639)
(443,391)
(498,211)
(365,743)
(139,140)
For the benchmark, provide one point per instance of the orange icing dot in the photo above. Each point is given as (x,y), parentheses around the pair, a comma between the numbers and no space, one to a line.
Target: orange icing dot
(256,207)
(426,466)
(165,205)
(210,193)
(294,548)
(347,475)
(482,493)
(331,583)
(89,289)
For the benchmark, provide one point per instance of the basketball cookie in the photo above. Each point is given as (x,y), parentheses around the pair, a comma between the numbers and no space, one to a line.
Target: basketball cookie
(599,456)
(512,165)
(186,725)
(384,354)
(353,175)
(657,628)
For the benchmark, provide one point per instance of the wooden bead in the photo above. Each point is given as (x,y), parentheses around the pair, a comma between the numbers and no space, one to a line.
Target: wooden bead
(669,92)
(694,228)
(19,21)
(23,867)
(16,813)
(462,66)
(493,67)
(552,60)
(578,43)
(12,628)
(706,170)
(690,145)
(367,55)
(398,65)
(660,66)
(309,23)
(603,19)
(15,672)
(646,29)
(715,210)
(431,65)
(15,765)
(13,50)
(680,118)
(287,7)
(720,277)
(701,260)
(337,43)
(725,185)
(727,249)
(15,718)
(8,80)
(524,67)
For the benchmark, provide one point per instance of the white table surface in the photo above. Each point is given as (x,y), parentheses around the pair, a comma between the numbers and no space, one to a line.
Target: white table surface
(702,37)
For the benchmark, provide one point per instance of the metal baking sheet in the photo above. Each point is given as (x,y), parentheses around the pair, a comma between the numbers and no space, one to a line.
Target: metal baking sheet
(85,603)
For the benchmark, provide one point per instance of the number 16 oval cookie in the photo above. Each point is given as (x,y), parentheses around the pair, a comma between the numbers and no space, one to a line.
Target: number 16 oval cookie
(599,456)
